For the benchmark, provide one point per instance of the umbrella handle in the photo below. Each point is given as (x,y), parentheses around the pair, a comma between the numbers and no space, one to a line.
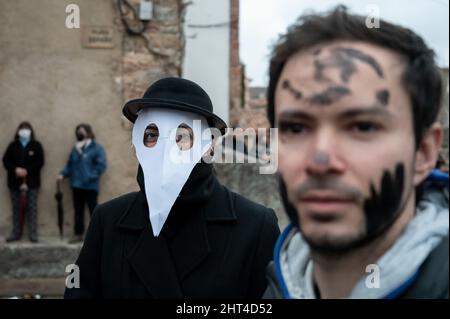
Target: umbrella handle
(24,186)
(23,203)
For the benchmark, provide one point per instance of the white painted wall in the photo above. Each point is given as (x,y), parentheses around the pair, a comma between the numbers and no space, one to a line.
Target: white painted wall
(207,51)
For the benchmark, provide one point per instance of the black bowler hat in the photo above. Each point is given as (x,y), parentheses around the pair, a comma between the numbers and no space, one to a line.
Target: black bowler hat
(177,94)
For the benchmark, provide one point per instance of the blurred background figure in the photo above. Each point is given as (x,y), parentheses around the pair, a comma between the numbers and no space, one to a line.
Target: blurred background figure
(86,163)
(23,160)
(441,164)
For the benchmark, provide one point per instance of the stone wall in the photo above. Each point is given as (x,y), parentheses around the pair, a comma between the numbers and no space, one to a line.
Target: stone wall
(236,101)
(157,53)
(35,268)
(261,188)
(50,79)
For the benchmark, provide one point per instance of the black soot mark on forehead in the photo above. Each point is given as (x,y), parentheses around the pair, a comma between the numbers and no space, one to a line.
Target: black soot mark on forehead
(382,97)
(329,96)
(344,60)
(286,85)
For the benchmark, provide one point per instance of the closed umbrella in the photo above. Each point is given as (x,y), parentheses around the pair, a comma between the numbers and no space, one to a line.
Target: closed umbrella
(23,203)
(60,209)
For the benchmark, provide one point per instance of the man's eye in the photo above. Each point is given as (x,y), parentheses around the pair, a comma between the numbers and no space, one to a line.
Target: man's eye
(184,138)
(292,128)
(150,135)
(364,127)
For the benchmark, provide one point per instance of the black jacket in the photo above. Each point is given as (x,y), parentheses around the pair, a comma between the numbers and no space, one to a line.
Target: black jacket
(30,157)
(432,282)
(214,244)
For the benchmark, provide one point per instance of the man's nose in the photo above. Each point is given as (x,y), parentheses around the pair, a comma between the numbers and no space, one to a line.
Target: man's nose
(325,157)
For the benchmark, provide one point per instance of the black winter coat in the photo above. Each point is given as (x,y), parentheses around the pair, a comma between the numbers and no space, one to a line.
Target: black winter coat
(30,157)
(214,244)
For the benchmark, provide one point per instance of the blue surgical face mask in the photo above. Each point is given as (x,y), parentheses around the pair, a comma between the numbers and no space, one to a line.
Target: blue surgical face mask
(24,136)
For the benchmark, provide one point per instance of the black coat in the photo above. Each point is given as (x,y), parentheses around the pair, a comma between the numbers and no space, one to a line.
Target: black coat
(30,157)
(218,249)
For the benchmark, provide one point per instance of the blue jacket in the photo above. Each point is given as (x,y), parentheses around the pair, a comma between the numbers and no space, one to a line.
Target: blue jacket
(85,169)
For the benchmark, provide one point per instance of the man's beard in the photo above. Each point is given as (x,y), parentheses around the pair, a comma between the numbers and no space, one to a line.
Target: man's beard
(332,245)
(381,210)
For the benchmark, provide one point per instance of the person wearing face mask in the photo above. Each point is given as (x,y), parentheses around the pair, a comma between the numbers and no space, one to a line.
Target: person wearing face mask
(23,160)
(86,163)
(184,234)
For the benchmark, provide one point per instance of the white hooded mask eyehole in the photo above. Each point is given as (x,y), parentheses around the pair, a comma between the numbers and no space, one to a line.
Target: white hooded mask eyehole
(168,159)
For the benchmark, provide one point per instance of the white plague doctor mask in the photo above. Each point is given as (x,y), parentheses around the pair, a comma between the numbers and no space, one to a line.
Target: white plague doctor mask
(166,167)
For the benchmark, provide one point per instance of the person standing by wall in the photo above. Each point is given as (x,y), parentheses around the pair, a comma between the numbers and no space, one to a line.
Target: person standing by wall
(86,163)
(23,160)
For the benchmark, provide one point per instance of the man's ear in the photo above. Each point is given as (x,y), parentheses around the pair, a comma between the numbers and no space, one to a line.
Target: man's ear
(428,152)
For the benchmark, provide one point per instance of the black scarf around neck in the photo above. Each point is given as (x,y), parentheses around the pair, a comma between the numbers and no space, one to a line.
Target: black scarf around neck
(194,194)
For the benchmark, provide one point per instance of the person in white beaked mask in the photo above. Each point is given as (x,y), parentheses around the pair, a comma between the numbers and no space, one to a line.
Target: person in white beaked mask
(183,235)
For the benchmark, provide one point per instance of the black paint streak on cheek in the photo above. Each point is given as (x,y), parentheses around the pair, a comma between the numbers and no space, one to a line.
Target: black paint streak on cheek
(329,96)
(356,54)
(383,207)
(383,97)
(286,85)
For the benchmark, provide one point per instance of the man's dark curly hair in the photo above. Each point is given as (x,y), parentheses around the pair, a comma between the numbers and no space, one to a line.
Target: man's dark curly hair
(421,77)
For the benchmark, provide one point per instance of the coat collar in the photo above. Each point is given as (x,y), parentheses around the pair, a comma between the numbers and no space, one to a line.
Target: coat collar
(136,218)
(133,218)
(153,258)
(89,144)
(220,207)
